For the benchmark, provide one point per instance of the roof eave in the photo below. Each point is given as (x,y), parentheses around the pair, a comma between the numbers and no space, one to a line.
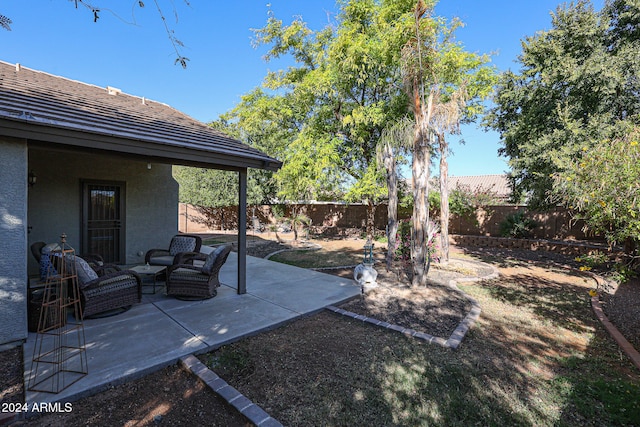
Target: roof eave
(135,147)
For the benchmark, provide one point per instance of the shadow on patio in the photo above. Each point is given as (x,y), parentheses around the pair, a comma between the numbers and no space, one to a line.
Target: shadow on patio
(162,329)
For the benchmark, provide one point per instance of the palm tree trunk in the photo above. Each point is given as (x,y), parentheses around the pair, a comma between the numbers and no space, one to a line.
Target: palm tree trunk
(420,211)
(392,207)
(371,219)
(420,167)
(444,200)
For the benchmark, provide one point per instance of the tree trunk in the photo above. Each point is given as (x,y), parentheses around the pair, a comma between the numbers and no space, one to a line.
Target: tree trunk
(392,207)
(420,210)
(420,167)
(630,250)
(371,220)
(294,223)
(444,200)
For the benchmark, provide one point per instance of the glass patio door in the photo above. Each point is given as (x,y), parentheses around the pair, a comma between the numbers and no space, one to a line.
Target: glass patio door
(103,216)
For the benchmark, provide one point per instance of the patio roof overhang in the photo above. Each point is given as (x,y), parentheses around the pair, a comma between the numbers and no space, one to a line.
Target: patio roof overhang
(60,114)
(60,139)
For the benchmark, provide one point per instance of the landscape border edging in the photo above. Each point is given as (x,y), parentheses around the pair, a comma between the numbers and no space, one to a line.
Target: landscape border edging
(455,339)
(313,247)
(254,413)
(613,331)
(469,320)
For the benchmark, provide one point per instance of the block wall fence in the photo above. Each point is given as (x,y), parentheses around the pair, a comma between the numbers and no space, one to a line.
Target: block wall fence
(556,224)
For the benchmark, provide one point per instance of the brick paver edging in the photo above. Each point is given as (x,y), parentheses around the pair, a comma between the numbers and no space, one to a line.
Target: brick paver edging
(8,418)
(625,345)
(311,247)
(251,411)
(458,334)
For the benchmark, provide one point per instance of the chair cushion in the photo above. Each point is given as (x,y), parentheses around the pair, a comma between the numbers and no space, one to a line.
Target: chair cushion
(206,249)
(162,260)
(182,244)
(46,267)
(211,259)
(84,271)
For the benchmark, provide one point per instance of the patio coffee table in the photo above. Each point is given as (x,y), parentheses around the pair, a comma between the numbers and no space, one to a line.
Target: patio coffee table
(149,272)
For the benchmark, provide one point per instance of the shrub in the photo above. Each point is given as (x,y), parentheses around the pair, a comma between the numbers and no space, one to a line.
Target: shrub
(517,225)
(464,201)
(601,185)
(403,241)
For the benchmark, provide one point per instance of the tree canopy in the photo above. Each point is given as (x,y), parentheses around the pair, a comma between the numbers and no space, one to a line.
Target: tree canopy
(212,188)
(578,82)
(329,108)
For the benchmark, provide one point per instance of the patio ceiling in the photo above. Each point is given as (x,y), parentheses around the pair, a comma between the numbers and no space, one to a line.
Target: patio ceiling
(58,113)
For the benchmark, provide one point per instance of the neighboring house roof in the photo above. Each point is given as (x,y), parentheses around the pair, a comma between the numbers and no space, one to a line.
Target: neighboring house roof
(46,109)
(498,184)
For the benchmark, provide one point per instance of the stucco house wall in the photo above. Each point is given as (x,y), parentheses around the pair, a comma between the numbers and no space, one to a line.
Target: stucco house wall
(13,230)
(151,204)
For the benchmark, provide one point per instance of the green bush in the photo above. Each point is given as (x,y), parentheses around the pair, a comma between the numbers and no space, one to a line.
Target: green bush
(517,225)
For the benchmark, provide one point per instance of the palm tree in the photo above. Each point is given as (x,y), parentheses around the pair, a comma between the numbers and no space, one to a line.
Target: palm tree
(436,71)
(418,54)
(395,138)
(446,118)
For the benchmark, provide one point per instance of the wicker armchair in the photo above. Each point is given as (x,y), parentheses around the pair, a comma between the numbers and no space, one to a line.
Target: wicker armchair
(188,281)
(111,291)
(179,243)
(36,250)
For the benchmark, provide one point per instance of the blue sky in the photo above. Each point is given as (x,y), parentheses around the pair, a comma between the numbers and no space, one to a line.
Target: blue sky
(52,36)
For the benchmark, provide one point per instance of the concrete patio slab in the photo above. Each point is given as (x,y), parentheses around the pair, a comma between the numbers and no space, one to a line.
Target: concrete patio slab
(161,330)
(284,285)
(228,319)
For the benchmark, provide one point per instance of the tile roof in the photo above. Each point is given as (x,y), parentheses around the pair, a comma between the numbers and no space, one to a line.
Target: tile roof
(496,183)
(53,105)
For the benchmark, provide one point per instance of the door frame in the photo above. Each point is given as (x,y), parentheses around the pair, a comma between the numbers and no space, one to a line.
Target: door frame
(84,209)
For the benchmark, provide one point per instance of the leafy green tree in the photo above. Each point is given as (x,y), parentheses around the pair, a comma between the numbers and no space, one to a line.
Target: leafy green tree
(208,190)
(577,81)
(348,83)
(603,187)
(272,123)
(211,189)
(206,187)
(334,102)
(465,200)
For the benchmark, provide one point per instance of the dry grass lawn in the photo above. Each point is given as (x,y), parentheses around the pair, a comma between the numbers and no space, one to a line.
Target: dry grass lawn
(536,357)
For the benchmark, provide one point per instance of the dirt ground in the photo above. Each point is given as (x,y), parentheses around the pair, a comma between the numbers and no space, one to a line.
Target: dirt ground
(173,397)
